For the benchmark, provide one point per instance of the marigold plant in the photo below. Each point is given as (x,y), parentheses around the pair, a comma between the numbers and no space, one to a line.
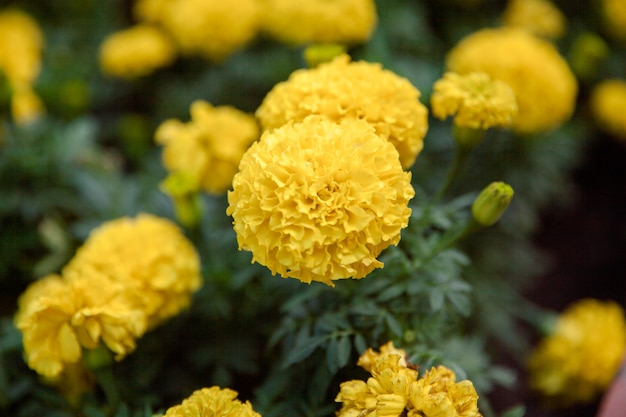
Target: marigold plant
(212,402)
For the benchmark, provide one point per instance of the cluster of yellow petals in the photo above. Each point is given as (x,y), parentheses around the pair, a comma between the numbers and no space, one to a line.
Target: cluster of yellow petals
(608,104)
(136,51)
(319,200)
(213,29)
(539,17)
(545,87)
(614,17)
(476,100)
(578,360)
(212,402)
(395,390)
(207,150)
(319,21)
(342,89)
(130,275)
(21,44)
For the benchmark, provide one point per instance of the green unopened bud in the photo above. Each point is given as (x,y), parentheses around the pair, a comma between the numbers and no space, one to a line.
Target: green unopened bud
(492,203)
(183,188)
(319,53)
(98,358)
(586,55)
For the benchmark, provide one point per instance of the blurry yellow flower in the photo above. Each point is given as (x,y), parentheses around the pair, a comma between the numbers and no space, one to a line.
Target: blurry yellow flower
(59,318)
(21,42)
(136,51)
(212,402)
(614,16)
(319,21)
(437,394)
(367,358)
(477,101)
(210,146)
(539,17)
(608,105)
(146,254)
(26,106)
(213,29)
(579,359)
(352,90)
(544,86)
(319,200)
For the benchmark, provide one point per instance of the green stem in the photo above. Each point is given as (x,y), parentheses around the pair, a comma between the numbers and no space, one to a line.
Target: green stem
(450,238)
(105,379)
(460,156)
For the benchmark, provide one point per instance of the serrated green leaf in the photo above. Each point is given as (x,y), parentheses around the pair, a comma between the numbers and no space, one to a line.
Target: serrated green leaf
(303,349)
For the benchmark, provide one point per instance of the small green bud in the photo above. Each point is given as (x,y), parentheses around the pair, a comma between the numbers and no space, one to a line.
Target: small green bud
(586,55)
(491,203)
(98,358)
(183,188)
(319,53)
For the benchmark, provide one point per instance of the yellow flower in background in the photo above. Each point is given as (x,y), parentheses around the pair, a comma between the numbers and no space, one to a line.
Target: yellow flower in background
(545,87)
(476,100)
(213,29)
(136,51)
(26,106)
(319,21)
(608,104)
(614,17)
(210,146)
(58,318)
(367,359)
(21,43)
(319,200)
(342,90)
(147,254)
(539,17)
(578,360)
(212,402)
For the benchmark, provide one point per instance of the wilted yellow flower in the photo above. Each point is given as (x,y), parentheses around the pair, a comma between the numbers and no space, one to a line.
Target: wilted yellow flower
(352,90)
(26,105)
(58,318)
(478,101)
(210,146)
(136,51)
(544,86)
(21,42)
(539,17)
(579,359)
(147,254)
(614,16)
(212,402)
(367,358)
(213,29)
(319,200)
(319,21)
(437,394)
(608,104)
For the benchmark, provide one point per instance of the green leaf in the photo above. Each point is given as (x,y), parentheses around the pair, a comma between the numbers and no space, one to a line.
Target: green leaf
(303,350)
(344,347)
(516,411)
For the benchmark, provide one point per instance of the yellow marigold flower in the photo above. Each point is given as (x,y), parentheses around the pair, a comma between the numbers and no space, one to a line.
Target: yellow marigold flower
(26,106)
(614,16)
(213,29)
(319,21)
(342,90)
(367,358)
(608,103)
(437,394)
(58,318)
(579,359)
(477,101)
(212,402)
(319,200)
(147,254)
(539,17)
(136,51)
(209,147)
(21,42)
(544,86)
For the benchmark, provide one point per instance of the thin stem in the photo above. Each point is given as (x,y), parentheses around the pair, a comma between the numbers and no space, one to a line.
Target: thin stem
(460,156)
(105,379)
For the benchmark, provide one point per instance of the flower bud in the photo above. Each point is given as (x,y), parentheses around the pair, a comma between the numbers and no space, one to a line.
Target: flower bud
(324,52)
(491,203)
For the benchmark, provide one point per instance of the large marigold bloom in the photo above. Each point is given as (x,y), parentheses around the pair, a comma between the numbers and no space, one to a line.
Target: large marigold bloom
(477,101)
(319,21)
(210,146)
(319,200)
(437,394)
(539,17)
(614,17)
(608,103)
(147,254)
(213,29)
(544,86)
(212,402)
(58,318)
(342,90)
(579,359)
(136,51)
